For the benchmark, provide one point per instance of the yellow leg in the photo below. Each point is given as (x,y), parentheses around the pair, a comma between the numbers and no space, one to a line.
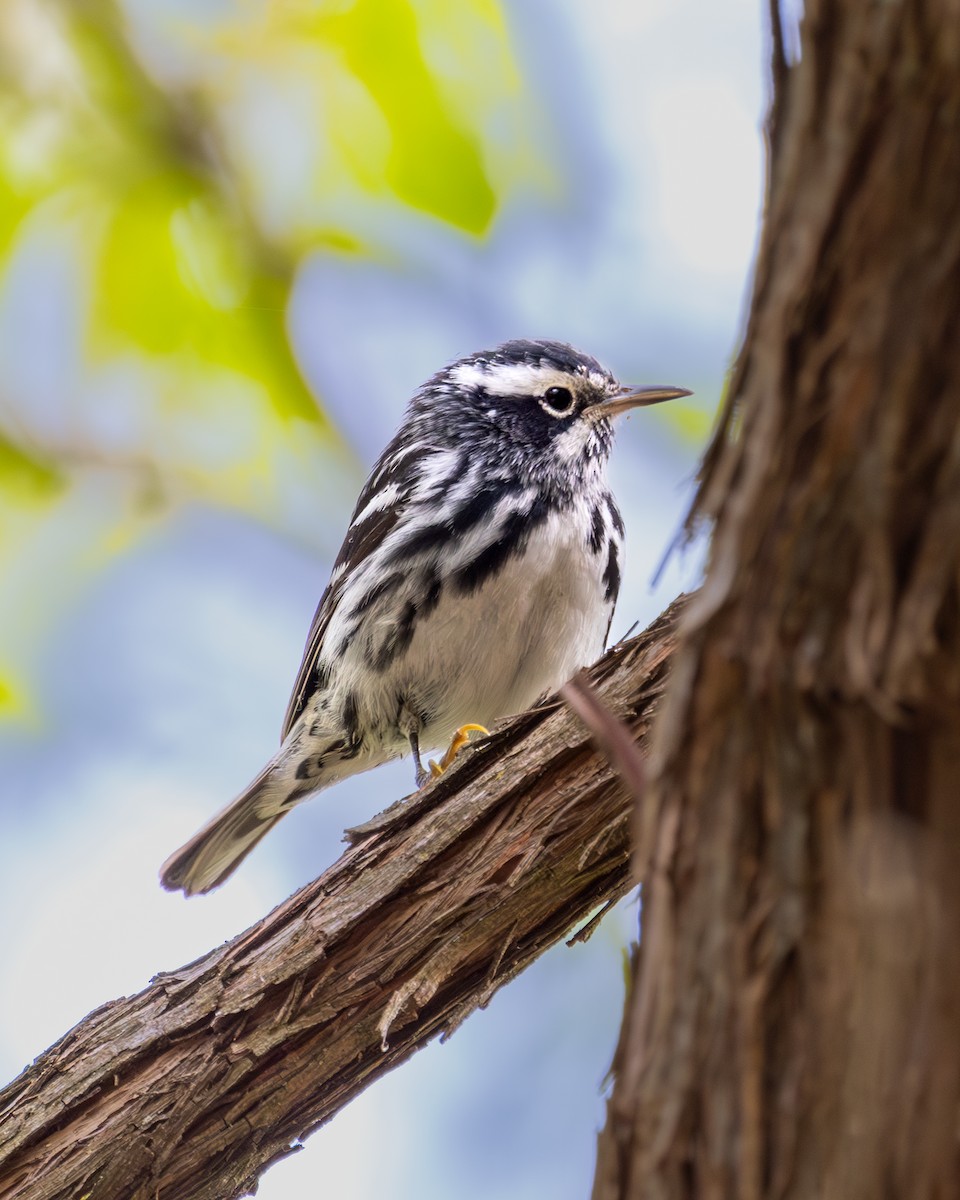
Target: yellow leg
(460,739)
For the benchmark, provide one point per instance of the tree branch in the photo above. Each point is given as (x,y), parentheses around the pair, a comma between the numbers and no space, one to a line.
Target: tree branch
(192,1088)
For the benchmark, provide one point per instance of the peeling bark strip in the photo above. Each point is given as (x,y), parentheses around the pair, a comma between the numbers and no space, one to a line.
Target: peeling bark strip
(794,1025)
(193,1087)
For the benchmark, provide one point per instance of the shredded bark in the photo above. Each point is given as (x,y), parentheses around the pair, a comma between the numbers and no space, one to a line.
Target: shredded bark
(794,1024)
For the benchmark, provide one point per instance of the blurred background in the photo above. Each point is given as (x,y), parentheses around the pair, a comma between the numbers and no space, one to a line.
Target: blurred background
(234,236)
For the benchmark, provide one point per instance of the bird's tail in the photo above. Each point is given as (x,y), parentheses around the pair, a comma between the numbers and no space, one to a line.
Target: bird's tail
(215,851)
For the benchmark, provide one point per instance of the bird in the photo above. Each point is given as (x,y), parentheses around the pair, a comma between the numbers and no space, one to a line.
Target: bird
(479,572)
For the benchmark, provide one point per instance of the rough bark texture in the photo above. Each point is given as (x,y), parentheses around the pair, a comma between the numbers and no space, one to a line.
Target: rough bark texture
(794,1025)
(192,1087)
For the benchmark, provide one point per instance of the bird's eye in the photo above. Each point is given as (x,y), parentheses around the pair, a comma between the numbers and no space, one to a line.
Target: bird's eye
(558,401)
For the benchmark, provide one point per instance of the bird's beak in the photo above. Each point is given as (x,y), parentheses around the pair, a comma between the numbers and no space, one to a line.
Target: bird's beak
(633,397)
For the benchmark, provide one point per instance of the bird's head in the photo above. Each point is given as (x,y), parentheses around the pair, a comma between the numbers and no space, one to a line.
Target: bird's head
(545,405)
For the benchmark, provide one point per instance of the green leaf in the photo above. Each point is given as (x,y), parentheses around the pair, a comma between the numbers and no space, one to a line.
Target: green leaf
(171,279)
(24,477)
(13,699)
(435,164)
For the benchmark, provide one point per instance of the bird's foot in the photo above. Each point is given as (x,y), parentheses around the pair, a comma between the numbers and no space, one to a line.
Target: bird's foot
(460,739)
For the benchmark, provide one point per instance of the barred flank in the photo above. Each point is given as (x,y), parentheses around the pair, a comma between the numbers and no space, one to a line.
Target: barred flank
(513,539)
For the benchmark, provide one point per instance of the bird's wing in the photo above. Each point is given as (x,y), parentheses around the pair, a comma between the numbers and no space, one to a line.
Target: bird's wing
(392,479)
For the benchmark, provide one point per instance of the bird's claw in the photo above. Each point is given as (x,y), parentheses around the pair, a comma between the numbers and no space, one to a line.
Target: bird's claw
(460,739)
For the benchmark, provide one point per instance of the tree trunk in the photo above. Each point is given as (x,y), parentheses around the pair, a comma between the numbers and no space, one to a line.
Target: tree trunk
(794,1024)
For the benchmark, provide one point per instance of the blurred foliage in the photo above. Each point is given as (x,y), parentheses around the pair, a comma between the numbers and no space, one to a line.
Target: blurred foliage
(147,255)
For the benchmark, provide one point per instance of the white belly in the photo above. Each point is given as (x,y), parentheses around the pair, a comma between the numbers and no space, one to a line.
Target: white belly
(494,652)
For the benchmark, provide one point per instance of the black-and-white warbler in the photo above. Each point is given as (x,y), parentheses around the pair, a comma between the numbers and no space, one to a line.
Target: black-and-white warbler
(479,573)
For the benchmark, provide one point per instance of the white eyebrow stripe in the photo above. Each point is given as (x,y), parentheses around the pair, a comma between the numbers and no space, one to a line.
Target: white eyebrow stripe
(510,379)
